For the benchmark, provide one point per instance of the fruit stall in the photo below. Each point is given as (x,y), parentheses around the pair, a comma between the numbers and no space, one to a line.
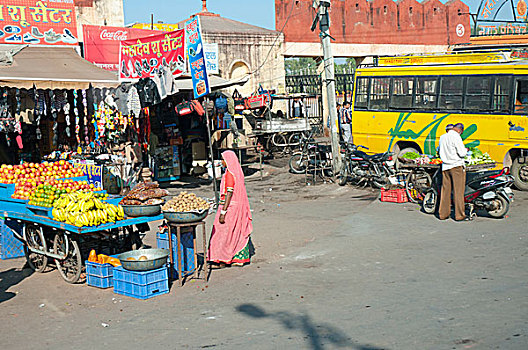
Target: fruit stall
(58,215)
(420,170)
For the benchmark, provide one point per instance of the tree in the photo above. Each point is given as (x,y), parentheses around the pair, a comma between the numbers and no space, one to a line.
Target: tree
(300,65)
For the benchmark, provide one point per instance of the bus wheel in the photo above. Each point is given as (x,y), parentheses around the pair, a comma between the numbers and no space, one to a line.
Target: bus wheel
(401,153)
(520,174)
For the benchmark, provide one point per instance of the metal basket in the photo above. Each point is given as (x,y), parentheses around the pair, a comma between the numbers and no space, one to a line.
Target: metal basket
(185,217)
(142,210)
(156,258)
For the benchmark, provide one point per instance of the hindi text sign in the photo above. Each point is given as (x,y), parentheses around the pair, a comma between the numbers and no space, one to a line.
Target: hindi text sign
(143,57)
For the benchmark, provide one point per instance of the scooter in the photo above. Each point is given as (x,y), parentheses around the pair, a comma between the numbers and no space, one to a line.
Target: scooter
(359,167)
(488,190)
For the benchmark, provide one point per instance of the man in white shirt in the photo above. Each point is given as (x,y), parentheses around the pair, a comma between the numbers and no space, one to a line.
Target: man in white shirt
(452,152)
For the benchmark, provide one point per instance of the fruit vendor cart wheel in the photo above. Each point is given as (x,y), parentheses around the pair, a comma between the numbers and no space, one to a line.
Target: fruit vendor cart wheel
(71,267)
(35,239)
(416,185)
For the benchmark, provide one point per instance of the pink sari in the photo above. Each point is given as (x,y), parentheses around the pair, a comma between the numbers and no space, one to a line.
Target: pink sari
(231,237)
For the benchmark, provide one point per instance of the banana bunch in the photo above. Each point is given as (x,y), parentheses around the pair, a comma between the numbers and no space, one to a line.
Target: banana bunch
(85,209)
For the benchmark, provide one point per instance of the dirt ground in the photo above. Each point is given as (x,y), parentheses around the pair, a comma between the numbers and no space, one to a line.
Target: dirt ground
(334,268)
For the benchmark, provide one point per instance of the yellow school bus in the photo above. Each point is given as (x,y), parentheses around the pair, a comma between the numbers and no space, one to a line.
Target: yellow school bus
(404,103)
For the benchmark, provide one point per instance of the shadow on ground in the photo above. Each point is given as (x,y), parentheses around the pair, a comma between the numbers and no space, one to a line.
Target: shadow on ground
(316,335)
(10,278)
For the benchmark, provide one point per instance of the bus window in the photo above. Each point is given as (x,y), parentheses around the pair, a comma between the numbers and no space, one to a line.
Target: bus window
(451,90)
(426,93)
(402,92)
(379,94)
(361,93)
(501,94)
(478,93)
(521,96)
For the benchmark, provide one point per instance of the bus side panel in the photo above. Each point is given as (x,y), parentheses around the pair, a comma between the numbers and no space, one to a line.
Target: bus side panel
(380,131)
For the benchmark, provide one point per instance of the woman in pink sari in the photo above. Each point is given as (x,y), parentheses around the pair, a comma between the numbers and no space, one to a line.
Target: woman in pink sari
(229,243)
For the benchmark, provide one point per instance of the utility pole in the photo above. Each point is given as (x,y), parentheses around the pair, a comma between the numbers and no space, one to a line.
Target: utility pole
(323,17)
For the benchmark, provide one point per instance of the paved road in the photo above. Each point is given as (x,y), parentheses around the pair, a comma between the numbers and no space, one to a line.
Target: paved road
(335,269)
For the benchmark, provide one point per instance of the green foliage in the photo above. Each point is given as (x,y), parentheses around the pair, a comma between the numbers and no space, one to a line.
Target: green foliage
(300,65)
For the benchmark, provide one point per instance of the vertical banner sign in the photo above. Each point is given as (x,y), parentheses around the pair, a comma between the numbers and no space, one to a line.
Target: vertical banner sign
(143,57)
(211,58)
(37,22)
(195,54)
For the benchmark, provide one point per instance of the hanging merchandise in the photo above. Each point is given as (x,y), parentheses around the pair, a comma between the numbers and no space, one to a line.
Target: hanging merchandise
(259,99)
(240,102)
(76,112)
(53,109)
(85,112)
(133,102)
(94,119)
(37,112)
(221,104)
(5,115)
(197,107)
(184,108)
(148,92)
(66,108)
(111,124)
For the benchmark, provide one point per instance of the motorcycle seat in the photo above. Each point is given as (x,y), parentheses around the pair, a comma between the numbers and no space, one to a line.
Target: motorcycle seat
(476,175)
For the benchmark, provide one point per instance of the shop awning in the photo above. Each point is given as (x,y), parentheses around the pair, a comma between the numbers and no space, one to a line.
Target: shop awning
(53,68)
(216,83)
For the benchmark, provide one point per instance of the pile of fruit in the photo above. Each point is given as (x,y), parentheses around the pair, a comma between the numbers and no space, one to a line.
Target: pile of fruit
(146,193)
(475,156)
(46,194)
(30,175)
(103,259)
(85,209)
(11,174)
(185,202)
(436,161)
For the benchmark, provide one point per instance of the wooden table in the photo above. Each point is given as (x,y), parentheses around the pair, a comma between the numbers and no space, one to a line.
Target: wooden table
(178,227)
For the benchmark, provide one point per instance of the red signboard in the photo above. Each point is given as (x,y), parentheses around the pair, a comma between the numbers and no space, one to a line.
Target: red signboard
(142,58)
(37,22)
(101,43)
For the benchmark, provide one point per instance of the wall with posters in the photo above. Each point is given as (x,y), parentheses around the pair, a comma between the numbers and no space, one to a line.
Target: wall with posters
(36,22)
(101,44)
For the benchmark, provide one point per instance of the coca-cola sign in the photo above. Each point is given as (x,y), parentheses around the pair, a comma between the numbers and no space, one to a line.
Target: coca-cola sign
(101,43)
(113,35)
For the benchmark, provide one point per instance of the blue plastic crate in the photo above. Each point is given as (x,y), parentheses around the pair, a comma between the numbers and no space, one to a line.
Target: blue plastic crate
(99,282)
(10,247)
(187,249)
(99,270)
(140,277)
(141,284)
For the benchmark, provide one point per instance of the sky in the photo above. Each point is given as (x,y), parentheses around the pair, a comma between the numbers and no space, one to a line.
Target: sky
(257,12)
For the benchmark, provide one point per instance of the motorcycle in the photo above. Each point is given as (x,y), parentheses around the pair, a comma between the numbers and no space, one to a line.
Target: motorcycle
(299,158)
(359,167)
(488,190)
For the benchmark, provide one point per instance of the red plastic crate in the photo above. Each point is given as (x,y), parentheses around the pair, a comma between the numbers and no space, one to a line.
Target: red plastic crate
(394,196)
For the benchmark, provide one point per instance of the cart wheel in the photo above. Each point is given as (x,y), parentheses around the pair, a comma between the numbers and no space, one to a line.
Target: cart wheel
(35,239)
(416,184)
(294,140)
(280,143)
(71,267)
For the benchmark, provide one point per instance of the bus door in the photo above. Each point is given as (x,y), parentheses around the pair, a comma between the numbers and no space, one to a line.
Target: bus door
(518,123)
